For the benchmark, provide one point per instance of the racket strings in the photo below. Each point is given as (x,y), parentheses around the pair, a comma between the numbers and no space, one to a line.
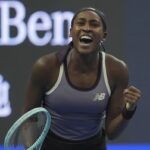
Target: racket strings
(29,131)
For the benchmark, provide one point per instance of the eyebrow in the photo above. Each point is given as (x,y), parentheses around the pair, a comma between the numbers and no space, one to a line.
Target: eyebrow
(92,20)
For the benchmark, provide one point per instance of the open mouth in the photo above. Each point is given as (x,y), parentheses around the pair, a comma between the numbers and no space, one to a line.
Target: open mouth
(85,39)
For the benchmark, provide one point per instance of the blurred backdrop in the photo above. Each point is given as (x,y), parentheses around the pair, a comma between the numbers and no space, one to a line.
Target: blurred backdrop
(30,29)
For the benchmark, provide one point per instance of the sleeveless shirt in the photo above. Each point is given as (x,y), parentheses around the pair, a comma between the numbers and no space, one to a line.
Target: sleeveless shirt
(77,114)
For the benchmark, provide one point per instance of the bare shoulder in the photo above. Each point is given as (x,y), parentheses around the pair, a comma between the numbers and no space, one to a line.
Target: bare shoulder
(46,61)
(45,70)
(117,70)
(115,62)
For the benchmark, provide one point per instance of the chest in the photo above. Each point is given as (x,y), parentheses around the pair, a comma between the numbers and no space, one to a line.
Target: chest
(69,99)
(82,80)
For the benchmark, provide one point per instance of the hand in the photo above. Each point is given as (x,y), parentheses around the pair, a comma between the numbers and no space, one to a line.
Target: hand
(131,97)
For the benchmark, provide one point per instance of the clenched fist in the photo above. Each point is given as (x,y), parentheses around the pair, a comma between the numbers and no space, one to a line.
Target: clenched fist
(131,97)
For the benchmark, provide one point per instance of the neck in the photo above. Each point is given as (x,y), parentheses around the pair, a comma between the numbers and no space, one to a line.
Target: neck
(84,62)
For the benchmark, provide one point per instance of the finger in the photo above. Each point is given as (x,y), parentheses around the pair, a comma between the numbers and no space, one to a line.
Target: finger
(132,96)
(133,93)
(134,89)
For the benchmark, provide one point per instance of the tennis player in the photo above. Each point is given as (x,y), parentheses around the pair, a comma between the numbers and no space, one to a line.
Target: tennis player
(85,90)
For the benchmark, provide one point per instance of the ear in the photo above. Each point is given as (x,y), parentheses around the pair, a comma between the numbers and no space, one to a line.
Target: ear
(104,36)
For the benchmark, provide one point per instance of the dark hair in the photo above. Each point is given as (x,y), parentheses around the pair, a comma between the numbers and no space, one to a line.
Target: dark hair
(99,13)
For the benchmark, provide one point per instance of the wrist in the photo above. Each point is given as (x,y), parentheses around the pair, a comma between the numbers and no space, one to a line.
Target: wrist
(128,113)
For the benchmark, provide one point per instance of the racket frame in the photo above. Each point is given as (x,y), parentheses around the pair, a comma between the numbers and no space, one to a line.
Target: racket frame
(24,117)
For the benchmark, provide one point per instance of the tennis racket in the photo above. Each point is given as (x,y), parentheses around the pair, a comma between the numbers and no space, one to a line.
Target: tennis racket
(29,131)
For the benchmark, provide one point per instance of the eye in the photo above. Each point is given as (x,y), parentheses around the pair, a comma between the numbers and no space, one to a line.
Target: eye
(80,23)
(95,24)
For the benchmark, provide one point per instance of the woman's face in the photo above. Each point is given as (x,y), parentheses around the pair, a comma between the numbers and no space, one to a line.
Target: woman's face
(87,32)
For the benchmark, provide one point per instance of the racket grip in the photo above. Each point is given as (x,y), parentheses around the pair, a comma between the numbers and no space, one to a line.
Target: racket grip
(128,105)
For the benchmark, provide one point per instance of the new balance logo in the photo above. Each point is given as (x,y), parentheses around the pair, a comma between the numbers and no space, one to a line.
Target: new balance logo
(99,96)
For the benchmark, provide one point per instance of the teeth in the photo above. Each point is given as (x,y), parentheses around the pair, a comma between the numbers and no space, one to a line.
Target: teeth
(86,37)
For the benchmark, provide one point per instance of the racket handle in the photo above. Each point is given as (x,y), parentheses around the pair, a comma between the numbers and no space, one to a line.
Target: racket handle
(128,105)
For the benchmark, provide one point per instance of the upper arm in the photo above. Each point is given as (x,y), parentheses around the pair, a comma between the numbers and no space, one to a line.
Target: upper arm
(35,87)
(119,76)
(40,80)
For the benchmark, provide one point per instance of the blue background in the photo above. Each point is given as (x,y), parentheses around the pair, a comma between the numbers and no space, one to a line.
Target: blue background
(109,147)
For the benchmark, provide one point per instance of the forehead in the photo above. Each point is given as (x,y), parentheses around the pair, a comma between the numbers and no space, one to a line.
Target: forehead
(89,15)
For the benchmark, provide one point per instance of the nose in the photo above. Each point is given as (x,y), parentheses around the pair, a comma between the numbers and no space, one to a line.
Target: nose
(87,27)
